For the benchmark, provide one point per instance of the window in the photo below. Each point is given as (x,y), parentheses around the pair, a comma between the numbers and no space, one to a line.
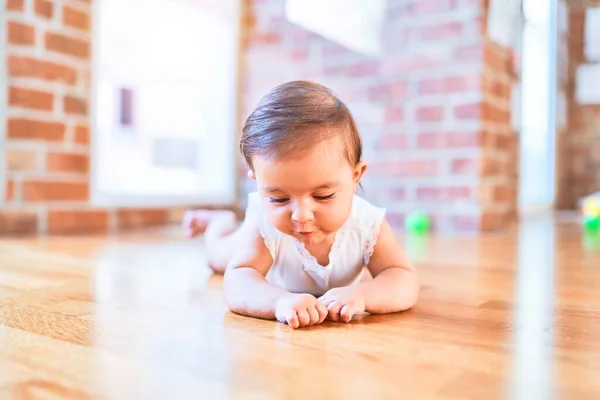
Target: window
(164,106)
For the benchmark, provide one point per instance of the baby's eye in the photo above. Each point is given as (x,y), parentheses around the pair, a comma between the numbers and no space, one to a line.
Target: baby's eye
(323,198)
(278,200)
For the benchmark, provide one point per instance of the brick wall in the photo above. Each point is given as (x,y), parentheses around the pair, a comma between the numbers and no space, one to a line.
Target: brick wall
(579,157)
(434,109)
(46,59)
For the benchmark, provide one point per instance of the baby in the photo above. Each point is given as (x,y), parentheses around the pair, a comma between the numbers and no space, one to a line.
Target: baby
(299,255)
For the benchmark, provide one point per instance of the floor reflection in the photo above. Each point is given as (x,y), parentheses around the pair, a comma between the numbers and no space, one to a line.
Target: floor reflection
(156,310)
(532,368)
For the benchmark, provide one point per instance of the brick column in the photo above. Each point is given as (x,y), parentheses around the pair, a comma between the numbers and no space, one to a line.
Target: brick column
(579,142)
(47,131)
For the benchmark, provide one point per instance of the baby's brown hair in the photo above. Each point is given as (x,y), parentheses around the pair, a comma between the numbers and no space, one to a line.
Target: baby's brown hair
(293,117)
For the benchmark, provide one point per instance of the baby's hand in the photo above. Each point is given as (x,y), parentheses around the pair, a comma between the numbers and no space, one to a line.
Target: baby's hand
(344,303)
(298,310)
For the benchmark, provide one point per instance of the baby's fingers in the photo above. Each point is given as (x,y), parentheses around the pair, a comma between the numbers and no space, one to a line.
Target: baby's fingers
(334,310)
(292,320)
(347,313)
(322,310)
(314,315)
(303,318)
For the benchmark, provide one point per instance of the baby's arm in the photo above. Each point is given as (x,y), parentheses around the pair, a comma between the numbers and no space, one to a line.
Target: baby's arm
(245,289)
(395,285)
(247,292)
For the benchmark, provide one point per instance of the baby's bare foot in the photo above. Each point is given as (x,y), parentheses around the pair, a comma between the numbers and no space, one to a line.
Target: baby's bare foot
(196,222)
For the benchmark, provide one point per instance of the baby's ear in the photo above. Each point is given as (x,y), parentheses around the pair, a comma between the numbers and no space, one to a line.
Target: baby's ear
(251,174)
(359,171)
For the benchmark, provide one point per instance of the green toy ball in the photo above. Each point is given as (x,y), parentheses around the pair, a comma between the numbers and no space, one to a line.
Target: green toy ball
(591,223)
(417,222)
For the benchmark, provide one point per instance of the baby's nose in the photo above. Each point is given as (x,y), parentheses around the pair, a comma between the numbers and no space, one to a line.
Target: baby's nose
(302,215)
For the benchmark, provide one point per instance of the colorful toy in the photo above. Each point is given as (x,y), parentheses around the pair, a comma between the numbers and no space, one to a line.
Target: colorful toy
(417,222)
(590,210)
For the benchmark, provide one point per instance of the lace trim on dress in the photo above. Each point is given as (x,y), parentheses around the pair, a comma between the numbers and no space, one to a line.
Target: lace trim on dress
(269,241)
(310,262)
(372,235)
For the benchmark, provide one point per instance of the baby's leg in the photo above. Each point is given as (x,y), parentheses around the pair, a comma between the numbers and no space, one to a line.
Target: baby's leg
(219,227)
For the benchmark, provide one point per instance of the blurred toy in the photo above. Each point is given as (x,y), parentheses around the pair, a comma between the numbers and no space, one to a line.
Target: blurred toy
(590,211)
(417,222)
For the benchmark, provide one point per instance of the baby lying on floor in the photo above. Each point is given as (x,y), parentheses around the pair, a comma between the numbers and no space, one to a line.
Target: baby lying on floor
(299,255)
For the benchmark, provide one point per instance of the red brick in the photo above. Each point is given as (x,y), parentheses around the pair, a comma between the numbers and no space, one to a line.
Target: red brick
(75,18)
(442,31)
(331,49)
(397,194)
(422,7)
(68,222)
(67,162)
(248,20)
(394,115)
(67,45)
(434,140)
(18,33)
(407,168)
(44,8)
(414,63)
(430,113)
(502,193)
(465,166)
(495,58)
(463,139)
(505,141)
(491,221)
(449,84)
(18,222)
(18,160)
(9,190)
(298,55)
(30,98)
(469,53)
(499,89)
(82,134)
(15,5)
(388,91)
(45,190)
(393,142)
(18,128)
(364,68)
(269,38)
(432,193)
(29,67)
(136,218)
(459,193)
(468,111)
(75,105)
(430,140)
(492,113)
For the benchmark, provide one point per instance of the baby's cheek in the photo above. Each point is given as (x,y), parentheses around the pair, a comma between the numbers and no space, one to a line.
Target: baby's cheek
(334,219)
(280,218)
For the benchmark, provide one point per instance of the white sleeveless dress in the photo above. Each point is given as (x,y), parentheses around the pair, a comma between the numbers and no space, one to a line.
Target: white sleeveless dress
(297,271)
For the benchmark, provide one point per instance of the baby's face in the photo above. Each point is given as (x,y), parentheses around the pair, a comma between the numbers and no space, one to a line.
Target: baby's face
(308,197)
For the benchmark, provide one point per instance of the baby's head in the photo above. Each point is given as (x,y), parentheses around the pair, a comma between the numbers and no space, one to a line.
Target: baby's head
(304,151)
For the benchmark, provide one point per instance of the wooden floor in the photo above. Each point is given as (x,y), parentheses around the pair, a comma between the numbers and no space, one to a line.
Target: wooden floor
(140,317)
